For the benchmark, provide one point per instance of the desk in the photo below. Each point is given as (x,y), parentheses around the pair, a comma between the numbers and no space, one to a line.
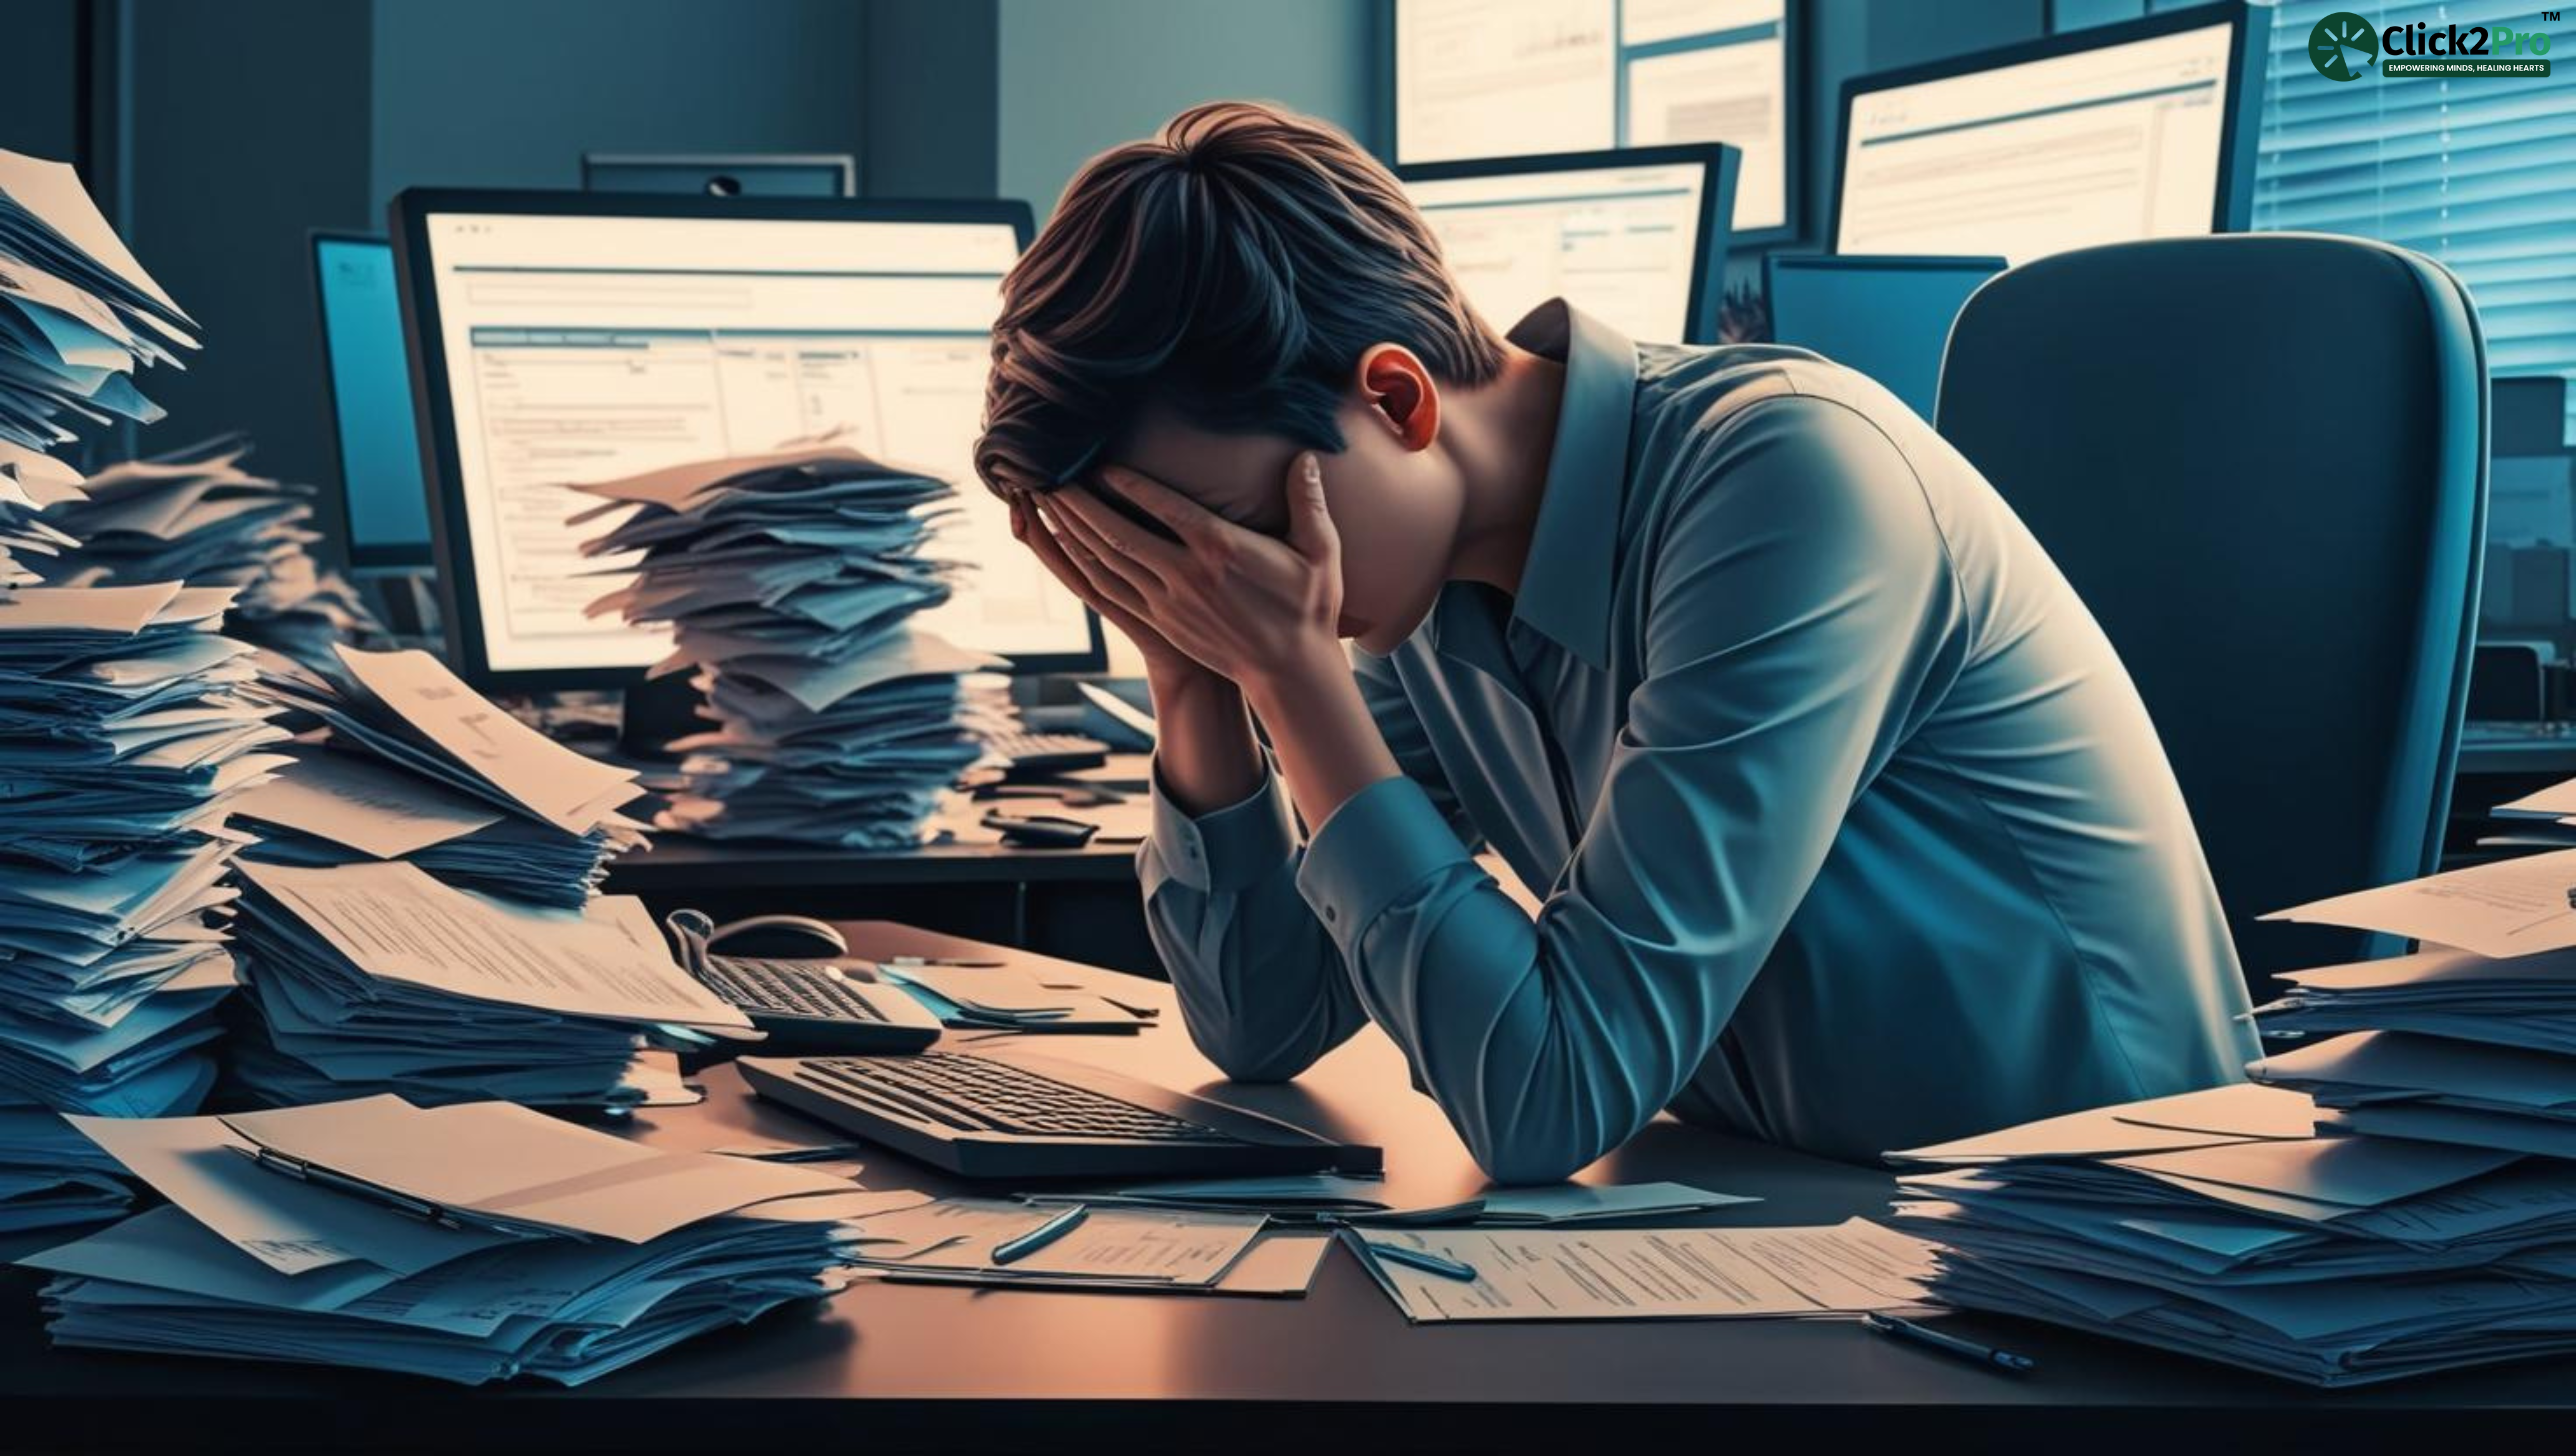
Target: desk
(1081,902)
(889,1368)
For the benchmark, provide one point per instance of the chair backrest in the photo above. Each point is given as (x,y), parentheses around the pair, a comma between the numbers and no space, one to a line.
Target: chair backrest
(2261,460)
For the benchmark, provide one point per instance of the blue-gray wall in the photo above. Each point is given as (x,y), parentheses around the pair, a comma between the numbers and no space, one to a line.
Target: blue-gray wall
(1083,76)
(510,93)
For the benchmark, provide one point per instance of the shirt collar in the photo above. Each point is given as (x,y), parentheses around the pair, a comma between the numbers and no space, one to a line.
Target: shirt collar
(1565,584)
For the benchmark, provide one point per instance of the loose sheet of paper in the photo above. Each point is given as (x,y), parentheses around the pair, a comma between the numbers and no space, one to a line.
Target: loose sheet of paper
(363,804)
(394,920)
(2509,908)
(559,785)
(292,1227)
(507,1162)
(1122,1245)
(1539,1274)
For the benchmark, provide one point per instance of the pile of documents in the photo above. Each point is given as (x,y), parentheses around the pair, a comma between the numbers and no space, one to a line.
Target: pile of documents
(31,484)
(788,581)
(124,740)
(2222,1224)
(77,315)
(2470,1041)
(472,1243)
(195,515)
(374,977)
(399,759)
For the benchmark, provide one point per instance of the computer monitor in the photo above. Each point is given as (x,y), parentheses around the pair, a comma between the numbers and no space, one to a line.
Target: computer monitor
(566,336)
(1499,78)
(822,174)
(1889,318)
(2120,132)
(381,495)
(1635,237)
(2530,591)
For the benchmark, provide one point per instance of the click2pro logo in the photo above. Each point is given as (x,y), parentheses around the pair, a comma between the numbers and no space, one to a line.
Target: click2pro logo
(2346,47)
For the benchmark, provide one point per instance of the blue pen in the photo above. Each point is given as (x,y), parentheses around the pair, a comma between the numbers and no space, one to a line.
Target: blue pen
(1424,1260)
(1011,1251)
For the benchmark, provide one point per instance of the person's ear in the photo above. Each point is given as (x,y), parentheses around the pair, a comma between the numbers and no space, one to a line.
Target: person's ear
(1402,391)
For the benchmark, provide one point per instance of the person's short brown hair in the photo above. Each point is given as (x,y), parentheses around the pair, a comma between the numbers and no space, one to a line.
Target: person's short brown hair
(1231,269)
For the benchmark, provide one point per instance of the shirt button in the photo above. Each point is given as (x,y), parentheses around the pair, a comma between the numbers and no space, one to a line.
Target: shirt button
(1332,914)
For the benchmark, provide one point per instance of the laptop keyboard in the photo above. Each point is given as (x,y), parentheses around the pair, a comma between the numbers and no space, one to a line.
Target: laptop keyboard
(980,1094)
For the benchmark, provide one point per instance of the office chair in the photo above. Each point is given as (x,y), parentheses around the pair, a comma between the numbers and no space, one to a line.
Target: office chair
(2261,460)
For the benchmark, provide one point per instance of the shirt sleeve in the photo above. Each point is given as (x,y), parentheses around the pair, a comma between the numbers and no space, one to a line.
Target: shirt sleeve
(1799,605)
(1262,988)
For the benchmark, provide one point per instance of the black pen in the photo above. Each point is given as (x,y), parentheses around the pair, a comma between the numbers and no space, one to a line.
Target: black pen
(1986,1355)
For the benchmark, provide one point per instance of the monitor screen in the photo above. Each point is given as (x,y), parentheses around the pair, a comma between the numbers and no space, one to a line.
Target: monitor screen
(1500,78)
(2112,143)
(1889,318)
(587,344)
(1625,243)
(371,411)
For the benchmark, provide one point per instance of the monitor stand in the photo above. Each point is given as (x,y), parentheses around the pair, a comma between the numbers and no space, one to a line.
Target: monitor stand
(657,712)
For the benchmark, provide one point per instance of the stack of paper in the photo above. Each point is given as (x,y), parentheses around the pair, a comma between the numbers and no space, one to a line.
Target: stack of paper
(472,1243)
(2545,820)
(124,739)
(2221,1225)
(374,977)
(2471,1041)
(195,515)
(77,315)
(403,761)
(30,484)
(788,581)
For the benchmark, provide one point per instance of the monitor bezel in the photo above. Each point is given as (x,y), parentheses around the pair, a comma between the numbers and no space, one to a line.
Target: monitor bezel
(408,215)
(2249,35)
(1794,81)
(593,164)
(1720,162)
(357,556)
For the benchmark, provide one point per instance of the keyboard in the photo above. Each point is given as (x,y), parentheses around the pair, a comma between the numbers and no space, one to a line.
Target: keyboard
(1048,752)
(812,1006)
(1032,1117)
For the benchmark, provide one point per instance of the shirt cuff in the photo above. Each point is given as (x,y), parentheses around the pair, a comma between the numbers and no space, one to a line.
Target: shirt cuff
(1383,841)
(1228,849)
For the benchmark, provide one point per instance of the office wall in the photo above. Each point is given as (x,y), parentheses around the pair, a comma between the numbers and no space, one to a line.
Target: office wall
(510,93)
(932,113)
(1080,77)
(40,105)
(1905,33)
(240,129)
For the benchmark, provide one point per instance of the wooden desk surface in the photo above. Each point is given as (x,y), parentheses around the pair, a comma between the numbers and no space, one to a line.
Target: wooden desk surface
(902,1367)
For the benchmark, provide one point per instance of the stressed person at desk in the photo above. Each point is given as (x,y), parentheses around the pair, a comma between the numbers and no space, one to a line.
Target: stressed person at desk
(1853,832)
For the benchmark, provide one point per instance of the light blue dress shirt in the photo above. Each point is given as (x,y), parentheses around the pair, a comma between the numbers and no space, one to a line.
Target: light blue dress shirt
(1852,831)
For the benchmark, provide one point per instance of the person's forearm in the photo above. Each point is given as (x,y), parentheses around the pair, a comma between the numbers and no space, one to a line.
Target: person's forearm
(1327,744)
(1204,751)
